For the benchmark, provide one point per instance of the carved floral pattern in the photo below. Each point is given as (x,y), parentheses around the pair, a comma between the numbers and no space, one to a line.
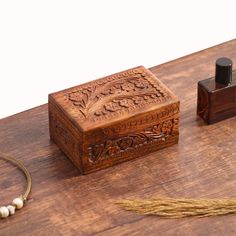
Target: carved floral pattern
(99,99)
(113,147)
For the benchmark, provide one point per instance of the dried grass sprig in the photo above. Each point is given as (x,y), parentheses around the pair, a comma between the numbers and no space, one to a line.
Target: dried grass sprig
(180,207)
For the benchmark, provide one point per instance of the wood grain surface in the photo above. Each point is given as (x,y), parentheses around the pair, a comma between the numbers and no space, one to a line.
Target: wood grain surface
(63,202)
(114,119)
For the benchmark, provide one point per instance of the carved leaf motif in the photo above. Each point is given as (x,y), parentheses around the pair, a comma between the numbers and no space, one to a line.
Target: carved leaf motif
(81,98)
(96,152)
(125,143)
(111,150)
(115,95)
(111,147)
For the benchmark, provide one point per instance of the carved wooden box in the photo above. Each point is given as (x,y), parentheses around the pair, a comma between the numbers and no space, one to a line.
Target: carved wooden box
(114,119)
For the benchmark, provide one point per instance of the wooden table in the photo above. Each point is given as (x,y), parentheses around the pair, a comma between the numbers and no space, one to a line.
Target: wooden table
(63,202)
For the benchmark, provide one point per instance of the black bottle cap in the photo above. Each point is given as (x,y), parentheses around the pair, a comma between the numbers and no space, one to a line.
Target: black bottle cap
(224,70)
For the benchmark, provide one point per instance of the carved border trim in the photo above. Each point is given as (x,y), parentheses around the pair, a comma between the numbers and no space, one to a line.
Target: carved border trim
(112,147)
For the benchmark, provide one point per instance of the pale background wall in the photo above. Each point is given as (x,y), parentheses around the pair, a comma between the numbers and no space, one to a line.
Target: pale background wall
(46,45)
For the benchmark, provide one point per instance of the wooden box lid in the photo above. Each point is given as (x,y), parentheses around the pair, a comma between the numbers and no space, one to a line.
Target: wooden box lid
(113,98)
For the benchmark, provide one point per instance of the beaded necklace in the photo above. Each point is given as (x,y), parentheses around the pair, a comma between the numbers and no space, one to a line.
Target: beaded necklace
(18,202)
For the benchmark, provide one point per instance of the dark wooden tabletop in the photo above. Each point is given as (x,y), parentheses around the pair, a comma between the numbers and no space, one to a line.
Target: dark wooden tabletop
(63,202)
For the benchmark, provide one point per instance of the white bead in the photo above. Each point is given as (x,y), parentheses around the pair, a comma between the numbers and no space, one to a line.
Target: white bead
(18,203)
(11,209)
(4,212)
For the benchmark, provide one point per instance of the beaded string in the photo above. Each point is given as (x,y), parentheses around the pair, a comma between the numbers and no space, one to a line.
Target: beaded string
(18,202)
